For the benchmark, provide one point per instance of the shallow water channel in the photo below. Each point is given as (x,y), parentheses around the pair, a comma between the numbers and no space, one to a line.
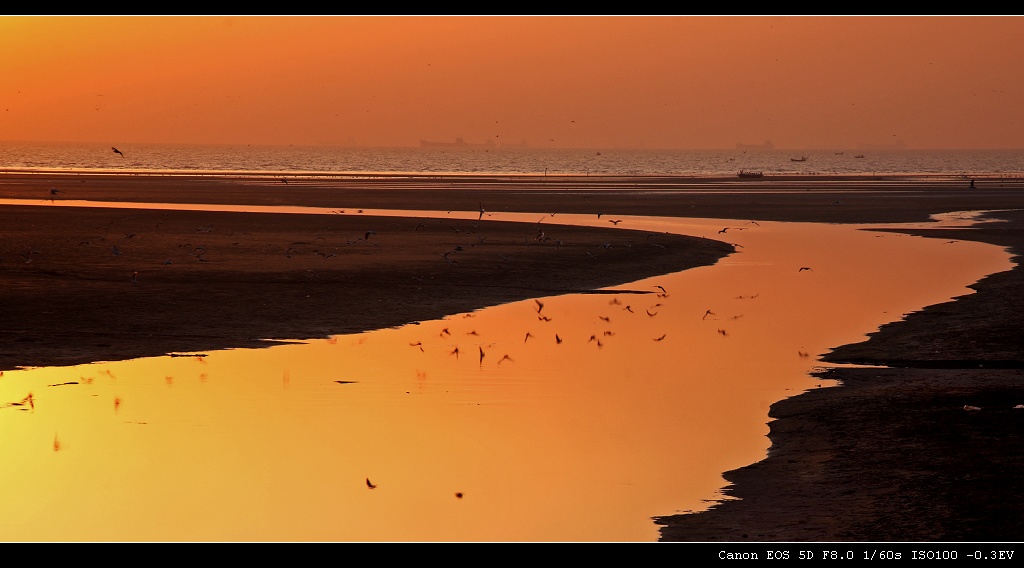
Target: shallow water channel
(568,418)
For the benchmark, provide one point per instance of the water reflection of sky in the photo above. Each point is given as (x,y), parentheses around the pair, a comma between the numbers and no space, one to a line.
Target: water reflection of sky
(576,421)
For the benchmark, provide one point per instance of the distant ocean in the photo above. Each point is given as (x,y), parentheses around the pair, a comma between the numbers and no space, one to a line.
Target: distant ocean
(323,160)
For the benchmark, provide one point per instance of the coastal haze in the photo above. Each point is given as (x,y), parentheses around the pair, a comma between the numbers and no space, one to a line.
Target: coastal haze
(688,82)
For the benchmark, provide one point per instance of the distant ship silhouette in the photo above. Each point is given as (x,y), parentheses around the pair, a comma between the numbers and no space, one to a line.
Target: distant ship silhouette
(459,143)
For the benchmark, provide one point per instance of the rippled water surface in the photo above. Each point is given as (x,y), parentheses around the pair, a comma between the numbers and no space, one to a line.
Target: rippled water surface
(35,156)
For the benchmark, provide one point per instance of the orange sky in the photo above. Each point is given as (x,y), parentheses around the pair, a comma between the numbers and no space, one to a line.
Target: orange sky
(656,82)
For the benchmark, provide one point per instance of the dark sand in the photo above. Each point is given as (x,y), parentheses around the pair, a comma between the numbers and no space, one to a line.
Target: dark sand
(890,456)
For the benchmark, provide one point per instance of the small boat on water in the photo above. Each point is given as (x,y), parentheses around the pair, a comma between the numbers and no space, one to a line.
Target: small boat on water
(748,174)
(800,159)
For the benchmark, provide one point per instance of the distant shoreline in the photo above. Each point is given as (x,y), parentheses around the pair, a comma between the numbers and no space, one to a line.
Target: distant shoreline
(664,179)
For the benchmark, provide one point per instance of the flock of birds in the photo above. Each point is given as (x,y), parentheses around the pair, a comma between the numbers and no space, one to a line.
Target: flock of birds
(199,252)
(27,403)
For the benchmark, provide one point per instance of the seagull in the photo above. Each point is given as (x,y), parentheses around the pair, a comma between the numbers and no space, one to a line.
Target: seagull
(481,212)
(366,237)
(662,288)
(802,268)
(116,151)
(370,484)
(708,313)
(540,305)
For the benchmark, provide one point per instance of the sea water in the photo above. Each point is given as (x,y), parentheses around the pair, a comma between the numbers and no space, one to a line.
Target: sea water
(254,159)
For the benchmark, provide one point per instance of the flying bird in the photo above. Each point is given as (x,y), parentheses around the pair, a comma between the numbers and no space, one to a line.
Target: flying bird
(708,313)
(802,268)
(116,151)
(370,484)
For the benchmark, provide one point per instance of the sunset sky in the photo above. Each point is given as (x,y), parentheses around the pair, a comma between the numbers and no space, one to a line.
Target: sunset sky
(574,81)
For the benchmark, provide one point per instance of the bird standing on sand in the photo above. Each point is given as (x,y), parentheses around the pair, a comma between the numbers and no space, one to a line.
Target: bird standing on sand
(116,151)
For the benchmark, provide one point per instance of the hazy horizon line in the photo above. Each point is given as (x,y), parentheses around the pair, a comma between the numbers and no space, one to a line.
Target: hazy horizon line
(873,146)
